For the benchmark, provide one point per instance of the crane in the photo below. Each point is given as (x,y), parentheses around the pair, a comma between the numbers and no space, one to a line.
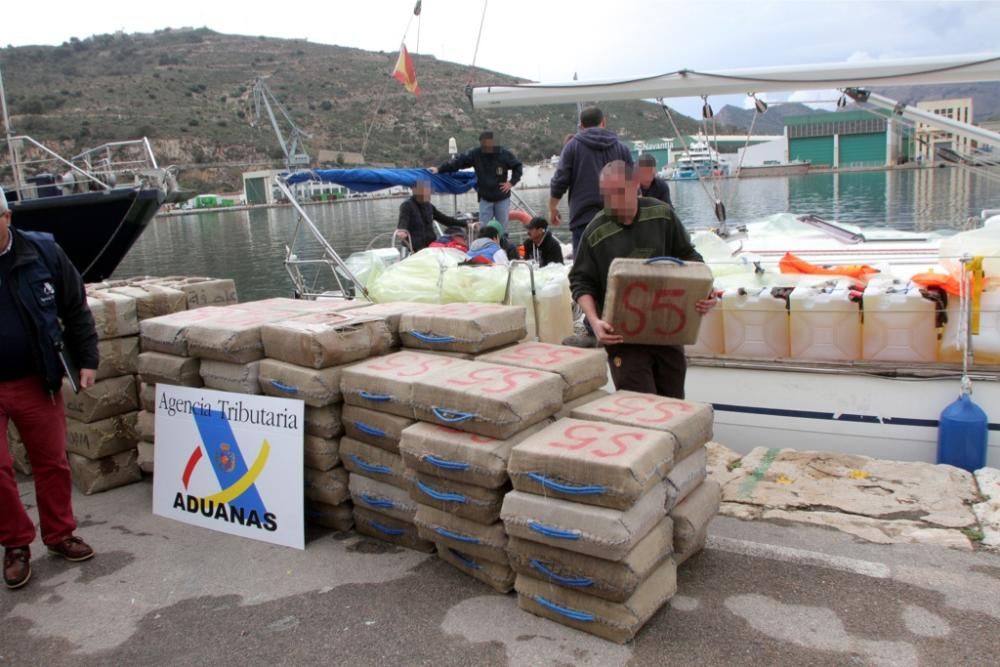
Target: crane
(293,147)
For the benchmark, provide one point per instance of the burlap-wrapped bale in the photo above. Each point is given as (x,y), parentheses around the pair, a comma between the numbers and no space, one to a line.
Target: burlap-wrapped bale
(391,312)
(464,500)
(235,338)
(690,423)
(285,307)
(586,529)
(323,422)
(462,327)
(615,581)
(237,378)
(321,340)
(145,426)
(692,547)
(371,461)
(652,301)
(381,497)
(567,408)
(201,292)
(118,356)
(96,475)
(487,399)
(326,486)
(339,517)
(320,453)
(478,540)
(582,370)
(17,450)
(144,456)
(686,476)
(106,398)
(389,529)
(386,383)
(616,621)
(114,314)
(103,437)
(316,387)
(463,457)
(375,428)
(590,462)
(153,300)
(147,396)
(692,516)
(168,334)
(498,577)
(166,368)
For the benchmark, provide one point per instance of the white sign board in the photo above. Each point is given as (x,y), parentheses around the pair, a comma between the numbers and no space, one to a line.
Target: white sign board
(230,462)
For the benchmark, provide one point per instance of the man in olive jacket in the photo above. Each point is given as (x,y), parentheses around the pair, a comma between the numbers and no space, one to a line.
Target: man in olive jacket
(630,226)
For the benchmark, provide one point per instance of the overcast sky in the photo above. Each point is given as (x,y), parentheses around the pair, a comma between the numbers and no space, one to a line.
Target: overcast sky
(549,40)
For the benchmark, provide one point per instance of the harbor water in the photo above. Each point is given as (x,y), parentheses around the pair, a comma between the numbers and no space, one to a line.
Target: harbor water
(249,246)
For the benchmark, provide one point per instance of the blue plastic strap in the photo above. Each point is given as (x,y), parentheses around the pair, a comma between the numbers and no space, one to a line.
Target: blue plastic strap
(386,529)
(443,496)
(465,560)
(583,616)
(445,464)
(381,398)
(450,416)
(549,531)
(576,582)
(287,388)
(377,502)
(653,260)
(572,489)
(444,532)
(431,338)
(369,467)
(369,430)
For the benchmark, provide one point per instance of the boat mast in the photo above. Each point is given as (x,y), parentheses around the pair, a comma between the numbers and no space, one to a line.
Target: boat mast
(14,167)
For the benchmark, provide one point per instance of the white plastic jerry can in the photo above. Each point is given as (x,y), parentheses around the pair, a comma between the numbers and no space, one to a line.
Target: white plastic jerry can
(755,323)
(825,324)
(985,344)
(899,324)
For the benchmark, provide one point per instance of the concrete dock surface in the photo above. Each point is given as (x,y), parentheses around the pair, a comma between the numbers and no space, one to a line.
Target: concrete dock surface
(764,592)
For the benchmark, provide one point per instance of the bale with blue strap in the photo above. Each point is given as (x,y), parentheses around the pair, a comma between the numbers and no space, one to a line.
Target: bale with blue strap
(477,540)
(369,461)
(315,387)
(380,429)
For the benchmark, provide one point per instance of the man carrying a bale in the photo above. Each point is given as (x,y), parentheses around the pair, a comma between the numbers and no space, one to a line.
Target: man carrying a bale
(46,330)
(630,226)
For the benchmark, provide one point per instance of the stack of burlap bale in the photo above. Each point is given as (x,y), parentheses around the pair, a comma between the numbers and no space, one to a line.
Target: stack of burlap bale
(101,421)
(305,360)
(590,538)
(470,414)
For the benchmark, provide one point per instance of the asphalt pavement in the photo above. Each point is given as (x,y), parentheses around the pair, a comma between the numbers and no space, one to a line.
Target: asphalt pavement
(762,593)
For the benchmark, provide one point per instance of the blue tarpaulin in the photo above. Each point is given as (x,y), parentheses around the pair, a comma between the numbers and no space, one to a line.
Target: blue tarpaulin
(372,180)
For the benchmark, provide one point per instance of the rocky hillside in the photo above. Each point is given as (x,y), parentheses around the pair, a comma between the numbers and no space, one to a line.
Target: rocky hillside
(190,91)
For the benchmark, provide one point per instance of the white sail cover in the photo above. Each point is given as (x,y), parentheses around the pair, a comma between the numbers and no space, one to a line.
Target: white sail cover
(689,83)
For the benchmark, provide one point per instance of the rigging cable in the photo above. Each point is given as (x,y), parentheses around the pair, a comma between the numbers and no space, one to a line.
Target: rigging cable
(475,53)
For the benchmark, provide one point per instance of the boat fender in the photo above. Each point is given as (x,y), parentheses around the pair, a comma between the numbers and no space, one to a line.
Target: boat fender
(962,434)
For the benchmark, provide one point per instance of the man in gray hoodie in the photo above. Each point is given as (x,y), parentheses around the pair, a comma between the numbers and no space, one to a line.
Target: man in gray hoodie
(579,171)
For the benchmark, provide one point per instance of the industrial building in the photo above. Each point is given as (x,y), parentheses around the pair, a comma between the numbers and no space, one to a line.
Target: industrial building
(929,139)
(846,139)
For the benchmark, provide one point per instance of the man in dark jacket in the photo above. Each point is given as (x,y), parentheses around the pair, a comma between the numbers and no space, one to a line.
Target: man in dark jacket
(540,245)
(651,185)
(417,215)
(39,288)
(630,226)
(497,172)
(579,170)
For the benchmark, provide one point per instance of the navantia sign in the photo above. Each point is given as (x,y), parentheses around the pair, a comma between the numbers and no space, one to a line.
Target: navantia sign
(230,462)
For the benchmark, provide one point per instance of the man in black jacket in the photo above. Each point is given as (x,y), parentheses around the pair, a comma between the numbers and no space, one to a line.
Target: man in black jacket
(631,227)
(497,172)
(417,215)
(651,185)
(540,245)
(45,327)
(579,170)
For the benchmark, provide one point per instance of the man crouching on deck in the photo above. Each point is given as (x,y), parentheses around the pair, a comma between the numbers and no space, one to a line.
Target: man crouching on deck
(630,226)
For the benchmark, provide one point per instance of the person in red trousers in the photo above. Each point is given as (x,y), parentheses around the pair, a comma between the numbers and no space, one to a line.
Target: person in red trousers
(45,328)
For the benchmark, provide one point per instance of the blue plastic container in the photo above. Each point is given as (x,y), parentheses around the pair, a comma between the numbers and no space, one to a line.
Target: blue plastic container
(962,433)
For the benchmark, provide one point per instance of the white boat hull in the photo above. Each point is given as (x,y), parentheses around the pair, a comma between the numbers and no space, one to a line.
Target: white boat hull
(882,417)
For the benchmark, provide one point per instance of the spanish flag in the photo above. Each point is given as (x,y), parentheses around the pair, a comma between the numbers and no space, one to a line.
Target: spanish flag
(404,71)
